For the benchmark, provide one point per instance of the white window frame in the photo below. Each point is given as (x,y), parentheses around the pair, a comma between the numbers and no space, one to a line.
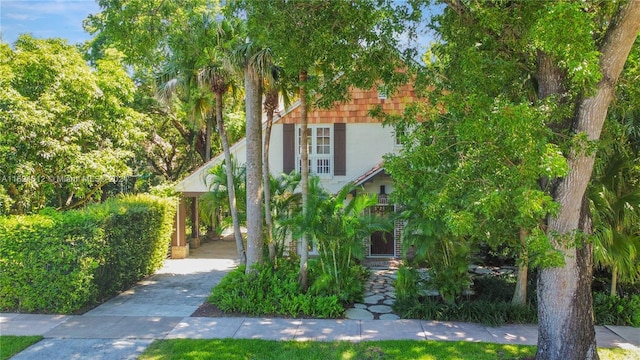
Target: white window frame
(317,161)
(396,138)
(382,92)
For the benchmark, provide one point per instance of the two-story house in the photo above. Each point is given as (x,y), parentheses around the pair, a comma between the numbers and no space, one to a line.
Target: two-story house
(346,145)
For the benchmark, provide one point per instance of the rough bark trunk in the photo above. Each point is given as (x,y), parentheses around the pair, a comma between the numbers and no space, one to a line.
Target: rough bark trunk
(520,294)
(231,190)
(253,103)
(304,178)
(565,303)
(271,97)
(565,312)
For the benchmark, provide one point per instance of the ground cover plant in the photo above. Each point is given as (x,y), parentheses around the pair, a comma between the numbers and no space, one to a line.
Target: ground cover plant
(272,290)
(11,345)
(231,349)
(489,301)
(616,310)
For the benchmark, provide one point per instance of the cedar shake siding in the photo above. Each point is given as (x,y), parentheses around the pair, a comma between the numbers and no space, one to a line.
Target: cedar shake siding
(357,109)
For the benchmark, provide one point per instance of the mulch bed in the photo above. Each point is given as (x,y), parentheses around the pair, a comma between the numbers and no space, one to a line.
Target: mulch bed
(210,310)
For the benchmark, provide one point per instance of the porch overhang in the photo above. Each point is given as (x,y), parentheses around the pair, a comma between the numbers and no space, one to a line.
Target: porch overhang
(370,174)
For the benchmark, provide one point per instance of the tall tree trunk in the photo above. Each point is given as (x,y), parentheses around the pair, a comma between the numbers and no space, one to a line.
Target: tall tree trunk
(271,102)
(614,281)
(255,218)
(231,190)
(565,304)
(304,178)
(207,137)
(520,294)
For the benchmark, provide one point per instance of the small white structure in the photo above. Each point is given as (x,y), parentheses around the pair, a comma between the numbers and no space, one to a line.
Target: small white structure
(346,145)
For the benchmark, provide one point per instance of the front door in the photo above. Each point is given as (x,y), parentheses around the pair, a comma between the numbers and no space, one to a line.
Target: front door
(382,244)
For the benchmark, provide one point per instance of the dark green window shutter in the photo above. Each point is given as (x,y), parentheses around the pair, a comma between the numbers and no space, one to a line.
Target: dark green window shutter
(288,148)
(339,149)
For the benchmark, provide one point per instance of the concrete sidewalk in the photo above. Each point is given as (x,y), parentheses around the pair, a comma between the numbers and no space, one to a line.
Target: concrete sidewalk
(160,308)
(126,337)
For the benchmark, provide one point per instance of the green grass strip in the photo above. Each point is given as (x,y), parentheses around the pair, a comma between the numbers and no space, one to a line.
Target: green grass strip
(11,345)
(236,349)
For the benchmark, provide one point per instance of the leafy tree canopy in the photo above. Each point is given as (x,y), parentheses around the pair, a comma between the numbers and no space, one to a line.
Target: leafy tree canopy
(67,128)
(339,43)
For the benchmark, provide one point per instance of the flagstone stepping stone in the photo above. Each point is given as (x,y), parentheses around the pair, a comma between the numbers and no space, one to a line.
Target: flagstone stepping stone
(358,314)
(483,271)
(389,317)
(373,299)
(388,302)
(380,309)
(359,306)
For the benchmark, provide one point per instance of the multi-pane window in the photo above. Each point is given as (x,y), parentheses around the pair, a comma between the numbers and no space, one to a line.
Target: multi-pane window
(319,144)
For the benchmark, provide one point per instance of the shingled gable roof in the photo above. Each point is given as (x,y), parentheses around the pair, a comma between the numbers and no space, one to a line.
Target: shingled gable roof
(355,110)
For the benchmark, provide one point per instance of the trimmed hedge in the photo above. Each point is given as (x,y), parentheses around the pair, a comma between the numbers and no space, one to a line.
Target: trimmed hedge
(63,262)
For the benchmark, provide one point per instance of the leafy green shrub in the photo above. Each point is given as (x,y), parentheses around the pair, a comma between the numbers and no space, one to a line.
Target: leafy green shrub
(62,262)
(137,231)
(47,261)
(352,281)
(406,284)
(271,291)
(615,310)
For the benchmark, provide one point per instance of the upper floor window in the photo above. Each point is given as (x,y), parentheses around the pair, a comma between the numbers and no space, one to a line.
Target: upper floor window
(398,134)
(382,91)
(320,150)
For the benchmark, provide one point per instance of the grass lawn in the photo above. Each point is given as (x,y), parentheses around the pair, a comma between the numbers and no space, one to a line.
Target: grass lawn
(370,350)
(11,345)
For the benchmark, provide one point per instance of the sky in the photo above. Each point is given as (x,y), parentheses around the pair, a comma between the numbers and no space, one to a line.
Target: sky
(45,19)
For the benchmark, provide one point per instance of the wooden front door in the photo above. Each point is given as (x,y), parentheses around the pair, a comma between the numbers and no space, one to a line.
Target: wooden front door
(382,244)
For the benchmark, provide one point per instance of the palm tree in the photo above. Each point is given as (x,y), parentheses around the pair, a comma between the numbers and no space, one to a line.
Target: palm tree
(304,172)
(615,199)
(274,84)
(614,195)
(216,201)
(338,225)
(178,79)
(217,74)
(260,73)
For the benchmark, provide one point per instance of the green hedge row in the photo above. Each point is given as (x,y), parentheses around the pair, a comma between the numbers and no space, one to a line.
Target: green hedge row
(62,262)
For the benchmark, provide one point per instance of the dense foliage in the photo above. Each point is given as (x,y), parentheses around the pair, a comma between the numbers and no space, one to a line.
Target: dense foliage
(615,310)
(64,261)
(66,129)
(488,301)
(337,227)
(272,290)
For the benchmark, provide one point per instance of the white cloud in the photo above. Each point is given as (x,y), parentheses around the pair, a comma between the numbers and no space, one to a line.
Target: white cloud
(20,17)
(52,18)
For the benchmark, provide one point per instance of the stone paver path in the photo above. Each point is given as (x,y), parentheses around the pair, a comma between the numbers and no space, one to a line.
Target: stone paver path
(378,298)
